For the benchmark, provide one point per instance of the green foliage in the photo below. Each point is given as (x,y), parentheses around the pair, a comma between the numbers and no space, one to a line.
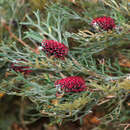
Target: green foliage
(94,56)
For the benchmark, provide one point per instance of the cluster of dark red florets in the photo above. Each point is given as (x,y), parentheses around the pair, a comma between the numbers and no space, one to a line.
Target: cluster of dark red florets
(70,84)
(54,48)
(104,23)
(18,67)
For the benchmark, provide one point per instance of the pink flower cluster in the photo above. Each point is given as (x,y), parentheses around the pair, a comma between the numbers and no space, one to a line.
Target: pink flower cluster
(70,84)
(57,49)
(22,69)
(105,23)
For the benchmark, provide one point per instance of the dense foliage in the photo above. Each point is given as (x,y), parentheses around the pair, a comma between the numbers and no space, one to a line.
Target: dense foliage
(64,61)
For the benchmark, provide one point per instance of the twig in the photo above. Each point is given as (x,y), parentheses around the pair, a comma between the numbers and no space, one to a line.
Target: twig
(12,35)
(84,70)
(127,126)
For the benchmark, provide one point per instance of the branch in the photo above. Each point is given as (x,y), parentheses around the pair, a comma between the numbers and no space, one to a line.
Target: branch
(12,35)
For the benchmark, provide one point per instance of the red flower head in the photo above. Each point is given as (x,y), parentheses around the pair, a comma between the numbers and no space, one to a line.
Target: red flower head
(22,69)
(70,84)
(51,47)
(105,23)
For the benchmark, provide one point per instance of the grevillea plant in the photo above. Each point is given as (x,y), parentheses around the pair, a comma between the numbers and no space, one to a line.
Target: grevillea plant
(18,67)
(95,68)
(54,48)
(104,23)
(70,84)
